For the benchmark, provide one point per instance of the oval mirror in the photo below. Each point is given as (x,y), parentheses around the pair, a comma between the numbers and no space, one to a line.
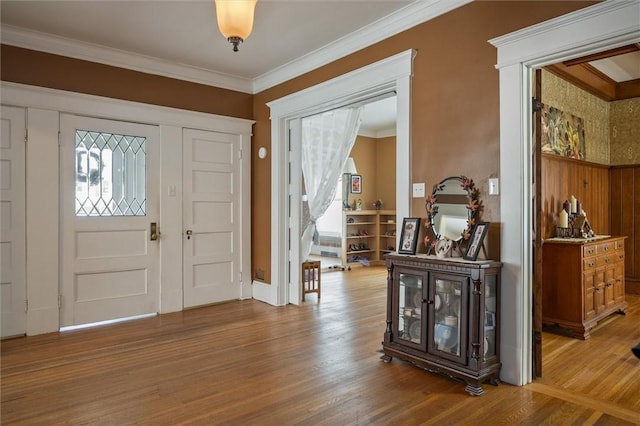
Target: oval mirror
(452,210)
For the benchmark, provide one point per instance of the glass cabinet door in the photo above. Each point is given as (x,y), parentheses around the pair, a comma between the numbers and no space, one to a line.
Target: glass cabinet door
(448,336)
(409,309)
(490,306)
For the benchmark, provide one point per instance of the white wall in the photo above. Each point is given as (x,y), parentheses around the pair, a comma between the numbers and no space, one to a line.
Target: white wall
(43,108)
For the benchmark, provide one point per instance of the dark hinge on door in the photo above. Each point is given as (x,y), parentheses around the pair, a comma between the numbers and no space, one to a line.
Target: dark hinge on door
(536,105)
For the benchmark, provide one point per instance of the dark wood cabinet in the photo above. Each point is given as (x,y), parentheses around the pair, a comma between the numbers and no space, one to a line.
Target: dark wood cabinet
(443,315)
(582,282)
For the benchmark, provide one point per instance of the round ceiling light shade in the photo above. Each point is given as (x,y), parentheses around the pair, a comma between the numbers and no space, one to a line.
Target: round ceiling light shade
(235,19)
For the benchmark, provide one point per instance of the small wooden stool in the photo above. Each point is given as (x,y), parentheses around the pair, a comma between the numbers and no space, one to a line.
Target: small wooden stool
(310,277)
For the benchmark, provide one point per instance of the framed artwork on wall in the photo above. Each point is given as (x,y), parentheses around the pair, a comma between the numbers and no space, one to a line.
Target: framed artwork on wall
(356,184)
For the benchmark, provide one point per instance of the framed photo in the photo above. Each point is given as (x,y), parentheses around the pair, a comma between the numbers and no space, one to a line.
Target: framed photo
(409,235)
(489,320)
(476,240)
(356,184)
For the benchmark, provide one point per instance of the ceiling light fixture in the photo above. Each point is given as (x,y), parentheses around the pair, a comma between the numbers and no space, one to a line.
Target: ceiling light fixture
(235,19)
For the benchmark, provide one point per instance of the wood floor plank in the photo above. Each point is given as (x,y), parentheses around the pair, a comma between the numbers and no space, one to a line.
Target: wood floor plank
(248,363)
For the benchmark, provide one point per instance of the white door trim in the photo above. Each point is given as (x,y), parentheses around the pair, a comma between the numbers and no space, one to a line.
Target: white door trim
(603,26)
(43,108)
(393,73)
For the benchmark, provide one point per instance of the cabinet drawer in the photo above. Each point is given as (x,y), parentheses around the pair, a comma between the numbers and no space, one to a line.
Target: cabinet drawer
(606,260)
(589,250)
(604,248)
(589,264)
(619,244)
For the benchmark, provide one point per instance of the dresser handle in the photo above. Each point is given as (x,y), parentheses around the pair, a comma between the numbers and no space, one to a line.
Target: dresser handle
(590,264)
(606,260)
(606,248)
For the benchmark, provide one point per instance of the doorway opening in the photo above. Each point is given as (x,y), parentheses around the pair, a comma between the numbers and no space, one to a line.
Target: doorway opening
(340,242)
(586,31)
(389,75)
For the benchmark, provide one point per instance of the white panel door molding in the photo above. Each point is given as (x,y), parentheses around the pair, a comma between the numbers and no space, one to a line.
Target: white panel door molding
(212,222)
(12,222)
(110,197)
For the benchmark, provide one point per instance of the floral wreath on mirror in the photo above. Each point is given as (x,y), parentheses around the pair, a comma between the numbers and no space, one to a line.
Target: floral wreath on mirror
(474,205)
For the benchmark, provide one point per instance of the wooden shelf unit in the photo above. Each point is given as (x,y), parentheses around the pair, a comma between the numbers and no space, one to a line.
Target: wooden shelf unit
(367,234)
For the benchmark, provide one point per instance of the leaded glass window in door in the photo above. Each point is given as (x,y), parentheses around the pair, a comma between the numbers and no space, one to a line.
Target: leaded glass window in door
(110,176)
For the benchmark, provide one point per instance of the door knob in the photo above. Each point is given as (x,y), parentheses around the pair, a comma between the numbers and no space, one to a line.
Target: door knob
(153,231)
(189,233)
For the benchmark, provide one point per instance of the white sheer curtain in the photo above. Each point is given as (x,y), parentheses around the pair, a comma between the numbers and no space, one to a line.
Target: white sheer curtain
(327,140)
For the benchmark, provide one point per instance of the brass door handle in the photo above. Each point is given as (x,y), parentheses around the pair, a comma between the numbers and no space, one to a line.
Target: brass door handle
(153,231)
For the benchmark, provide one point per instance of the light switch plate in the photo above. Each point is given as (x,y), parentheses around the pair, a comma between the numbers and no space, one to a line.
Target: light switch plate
(418,190)
(494,186)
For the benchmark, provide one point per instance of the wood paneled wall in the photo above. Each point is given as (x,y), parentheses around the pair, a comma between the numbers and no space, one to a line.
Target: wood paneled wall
(588,182)
(625,218)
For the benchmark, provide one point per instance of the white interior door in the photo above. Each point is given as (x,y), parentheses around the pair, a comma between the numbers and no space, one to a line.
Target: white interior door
(110,198)
(12,222)
(211,216)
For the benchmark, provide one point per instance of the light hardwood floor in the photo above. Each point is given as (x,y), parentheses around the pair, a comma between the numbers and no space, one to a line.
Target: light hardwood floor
(248,363)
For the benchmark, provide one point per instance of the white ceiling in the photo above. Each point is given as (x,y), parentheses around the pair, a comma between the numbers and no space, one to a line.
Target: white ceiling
(620,68)
(180,38)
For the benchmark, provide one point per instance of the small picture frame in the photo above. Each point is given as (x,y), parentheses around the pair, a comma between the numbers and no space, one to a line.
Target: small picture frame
(476,241)
(409,235)
(489,320)
(356,184)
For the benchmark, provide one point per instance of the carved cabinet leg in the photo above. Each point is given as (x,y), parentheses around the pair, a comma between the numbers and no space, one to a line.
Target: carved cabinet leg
(474,390)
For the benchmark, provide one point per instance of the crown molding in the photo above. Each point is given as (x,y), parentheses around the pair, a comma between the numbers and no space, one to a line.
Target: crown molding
(401,20)
(532,42)
(49,43)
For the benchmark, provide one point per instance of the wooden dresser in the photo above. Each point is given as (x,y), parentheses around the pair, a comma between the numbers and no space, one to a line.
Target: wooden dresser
(582,282)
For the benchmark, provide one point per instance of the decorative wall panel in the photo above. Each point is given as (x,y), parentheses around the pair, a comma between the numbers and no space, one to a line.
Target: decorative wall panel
(568,98)
(625,132)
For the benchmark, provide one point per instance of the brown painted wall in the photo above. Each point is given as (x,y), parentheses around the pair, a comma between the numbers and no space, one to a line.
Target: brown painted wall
(364,155)
(386,172)
(74,75)
(455,111)
(455,101)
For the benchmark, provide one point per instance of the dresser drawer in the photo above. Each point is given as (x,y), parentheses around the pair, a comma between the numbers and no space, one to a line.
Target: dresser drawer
(606,260)
(619,244)
(589,250)
(605,248)
(589,265)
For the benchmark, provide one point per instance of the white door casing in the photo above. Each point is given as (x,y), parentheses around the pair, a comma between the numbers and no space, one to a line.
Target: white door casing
(110,265)
(211,216)
(387,75)
(12,222)
(590,30)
